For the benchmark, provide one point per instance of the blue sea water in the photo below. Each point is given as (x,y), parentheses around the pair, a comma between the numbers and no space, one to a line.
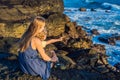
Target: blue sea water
(105,18)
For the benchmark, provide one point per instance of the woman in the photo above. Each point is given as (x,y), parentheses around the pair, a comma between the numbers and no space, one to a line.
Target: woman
(31,46)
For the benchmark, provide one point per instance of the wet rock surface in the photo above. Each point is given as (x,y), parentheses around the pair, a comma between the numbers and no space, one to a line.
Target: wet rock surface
(95,32)
(110,39)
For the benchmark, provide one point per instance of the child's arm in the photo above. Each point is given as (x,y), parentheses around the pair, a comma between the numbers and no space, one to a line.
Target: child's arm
(54,40)
(44,43)
(41,51)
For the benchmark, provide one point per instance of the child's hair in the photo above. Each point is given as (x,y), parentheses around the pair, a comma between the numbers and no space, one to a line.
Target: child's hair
(42,35)
(35,25)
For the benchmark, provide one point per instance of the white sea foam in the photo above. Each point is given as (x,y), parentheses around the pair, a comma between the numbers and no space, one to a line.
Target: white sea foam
(101,1)
(112,6)
(117,23)
(91,3)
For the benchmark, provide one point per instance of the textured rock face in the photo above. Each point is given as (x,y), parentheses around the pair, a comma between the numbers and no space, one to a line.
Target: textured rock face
(15,17)
(14,10)
(55,24)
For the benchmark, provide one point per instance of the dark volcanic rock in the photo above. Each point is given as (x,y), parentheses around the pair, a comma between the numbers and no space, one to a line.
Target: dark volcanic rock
(117,65)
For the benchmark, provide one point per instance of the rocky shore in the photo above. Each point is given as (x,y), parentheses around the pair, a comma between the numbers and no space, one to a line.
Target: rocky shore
(79,58)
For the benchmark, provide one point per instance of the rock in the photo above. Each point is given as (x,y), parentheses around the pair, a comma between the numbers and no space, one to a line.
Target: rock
(99,50)
(117,37)
(70,28)
(8,44)
(16,16)
(7,67)
(65,61)
(79,43)
(28,8)
(4,55)
(55,24)
(67,18)
(92,9)
(110,39)
(117,66)
(50,48)
(101,69)
(7,56)
(80,31)
(14,49)
(82,9)
(95,32)
(107,39)
(1,37)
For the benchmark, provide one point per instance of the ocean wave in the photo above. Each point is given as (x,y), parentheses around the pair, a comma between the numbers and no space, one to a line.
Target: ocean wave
(117,23)
(111,6)
(102,1)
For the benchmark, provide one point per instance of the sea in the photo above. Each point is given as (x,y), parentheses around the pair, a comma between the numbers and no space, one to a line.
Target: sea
(105,18)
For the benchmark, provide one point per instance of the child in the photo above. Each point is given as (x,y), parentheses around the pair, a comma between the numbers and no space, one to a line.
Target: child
(31,46)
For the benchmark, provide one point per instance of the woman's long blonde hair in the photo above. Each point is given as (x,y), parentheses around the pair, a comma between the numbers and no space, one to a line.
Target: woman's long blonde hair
(33,28)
